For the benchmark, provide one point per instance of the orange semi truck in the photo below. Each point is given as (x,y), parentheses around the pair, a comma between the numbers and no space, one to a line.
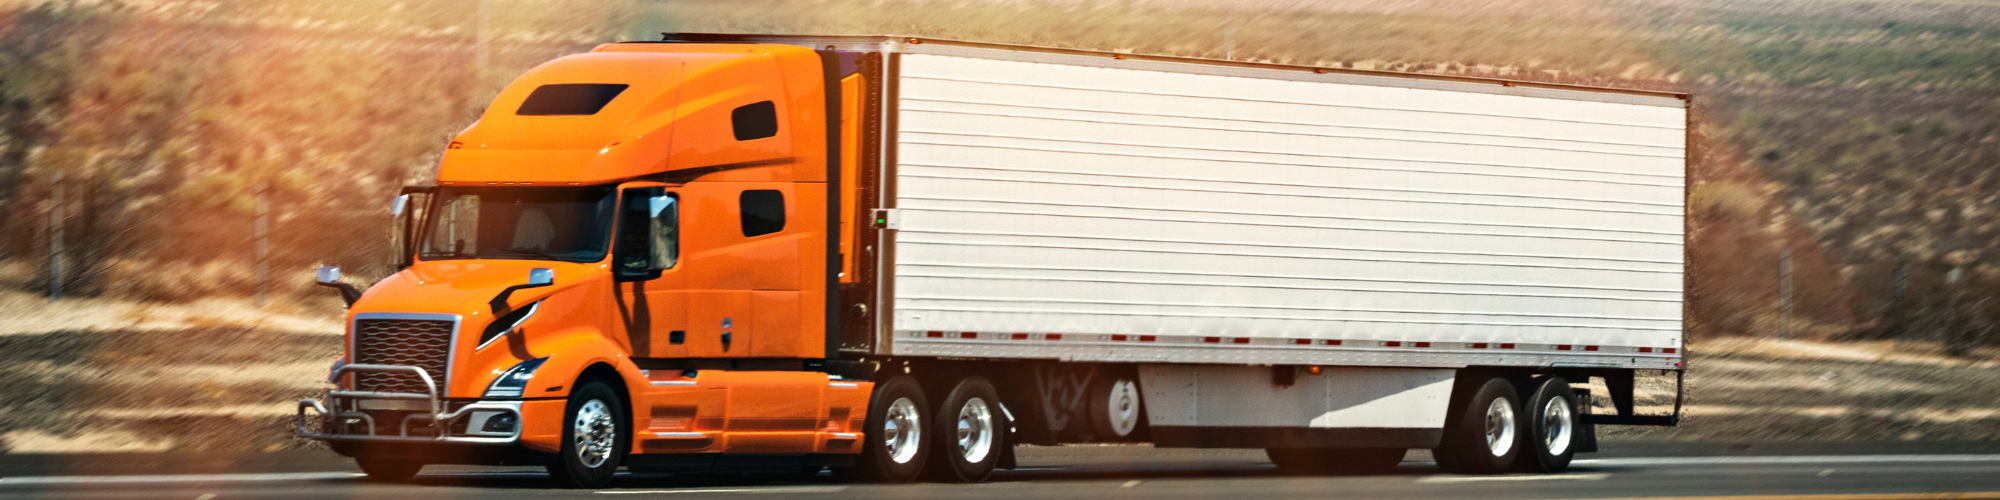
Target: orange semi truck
(900,257)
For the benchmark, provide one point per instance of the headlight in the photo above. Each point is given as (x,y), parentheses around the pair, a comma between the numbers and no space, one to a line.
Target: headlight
(514,381)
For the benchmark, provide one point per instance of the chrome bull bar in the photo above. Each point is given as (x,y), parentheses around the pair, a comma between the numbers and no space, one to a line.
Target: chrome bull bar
(439,419)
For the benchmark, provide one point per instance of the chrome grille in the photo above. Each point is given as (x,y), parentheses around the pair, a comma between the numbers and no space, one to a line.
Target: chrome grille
(423,344)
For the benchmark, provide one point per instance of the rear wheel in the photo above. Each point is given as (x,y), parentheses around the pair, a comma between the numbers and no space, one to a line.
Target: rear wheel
(1483,435)
(970,433)
(389,469)
(1336,460)
(1549,429)
(893,449)
(594,437)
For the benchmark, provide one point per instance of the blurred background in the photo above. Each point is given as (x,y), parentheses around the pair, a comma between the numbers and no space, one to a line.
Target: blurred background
(172,171)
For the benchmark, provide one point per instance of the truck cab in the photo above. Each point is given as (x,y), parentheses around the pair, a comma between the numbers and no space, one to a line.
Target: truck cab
(625,255)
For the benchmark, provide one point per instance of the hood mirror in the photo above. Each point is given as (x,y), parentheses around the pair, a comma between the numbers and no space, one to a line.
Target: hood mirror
(402,202)
(329,276)
(537,278)
(541,276)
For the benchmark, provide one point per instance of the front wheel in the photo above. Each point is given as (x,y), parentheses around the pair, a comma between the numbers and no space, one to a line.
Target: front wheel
(1550,427)
(893,448)
(594,431)
(971,433)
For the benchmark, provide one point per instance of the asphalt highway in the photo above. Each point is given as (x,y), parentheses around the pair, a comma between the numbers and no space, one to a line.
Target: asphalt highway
(1838,472)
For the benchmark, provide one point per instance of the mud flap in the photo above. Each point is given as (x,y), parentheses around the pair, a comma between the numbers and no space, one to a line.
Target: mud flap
(1007,452)
(1586,429)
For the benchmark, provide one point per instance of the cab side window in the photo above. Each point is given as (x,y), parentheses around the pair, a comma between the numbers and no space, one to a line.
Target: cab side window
(763,211)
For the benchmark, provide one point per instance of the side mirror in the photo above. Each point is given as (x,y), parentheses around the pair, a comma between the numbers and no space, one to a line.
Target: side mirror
(329,276)
(541,276)
(396,207)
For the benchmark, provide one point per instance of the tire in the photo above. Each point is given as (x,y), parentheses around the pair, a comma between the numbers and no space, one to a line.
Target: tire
(1115,412)
(388,469)
(893,448)
(595,437)
(969,433)
(1482,436)
(1550,427)
(1336,460)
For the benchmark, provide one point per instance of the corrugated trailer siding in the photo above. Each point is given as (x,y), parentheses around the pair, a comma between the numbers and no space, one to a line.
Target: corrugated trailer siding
(1091,201)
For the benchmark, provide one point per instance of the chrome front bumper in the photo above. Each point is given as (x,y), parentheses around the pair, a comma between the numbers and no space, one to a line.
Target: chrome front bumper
(346,405)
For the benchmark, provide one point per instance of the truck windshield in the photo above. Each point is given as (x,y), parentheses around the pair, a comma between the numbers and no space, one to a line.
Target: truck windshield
(538,223)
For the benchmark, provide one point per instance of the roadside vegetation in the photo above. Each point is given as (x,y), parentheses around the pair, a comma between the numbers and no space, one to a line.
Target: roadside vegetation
(1857,137)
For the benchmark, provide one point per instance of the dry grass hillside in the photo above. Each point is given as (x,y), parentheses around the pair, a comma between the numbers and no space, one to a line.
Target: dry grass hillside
(1858,136)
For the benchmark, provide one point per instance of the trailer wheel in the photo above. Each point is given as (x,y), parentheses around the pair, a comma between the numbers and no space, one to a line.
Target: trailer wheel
(1483,435)
(1550,427)
(1336,460)
(389,469)
(1114,408)
(594,437)
(893,449)
(971,433)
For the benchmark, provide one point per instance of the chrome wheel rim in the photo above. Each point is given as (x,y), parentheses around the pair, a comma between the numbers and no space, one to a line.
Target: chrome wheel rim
(975,430)
(1556,426)
(1499,427)
(1124,407)
(901,432)
(595,433)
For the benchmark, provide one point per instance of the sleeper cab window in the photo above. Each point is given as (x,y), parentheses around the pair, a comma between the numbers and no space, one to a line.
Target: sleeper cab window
(763,211)
(570,99)
(755,120)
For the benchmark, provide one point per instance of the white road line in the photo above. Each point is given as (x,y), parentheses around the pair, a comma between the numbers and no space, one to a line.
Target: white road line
(1525,477)
(1795,459)
(792,489)
(194,478)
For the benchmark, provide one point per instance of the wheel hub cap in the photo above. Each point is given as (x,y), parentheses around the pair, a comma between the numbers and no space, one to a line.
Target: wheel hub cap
(595,432)
(1124,407)
(1499,427)
(975,430)
(1557,426)
(901,432)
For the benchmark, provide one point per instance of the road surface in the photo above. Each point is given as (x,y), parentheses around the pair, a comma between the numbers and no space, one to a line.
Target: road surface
(1840,472)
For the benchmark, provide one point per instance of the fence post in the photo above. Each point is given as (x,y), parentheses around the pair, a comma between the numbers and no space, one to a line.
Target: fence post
(262,233)
(56,237)
(1785,291)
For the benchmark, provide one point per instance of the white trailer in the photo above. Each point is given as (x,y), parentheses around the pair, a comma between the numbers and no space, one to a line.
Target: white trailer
(1336,265)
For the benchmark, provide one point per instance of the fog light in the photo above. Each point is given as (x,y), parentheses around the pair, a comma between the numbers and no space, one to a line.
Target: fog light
(503,423)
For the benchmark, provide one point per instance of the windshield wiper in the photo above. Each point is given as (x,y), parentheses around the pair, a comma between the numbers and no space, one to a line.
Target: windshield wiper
(536,253)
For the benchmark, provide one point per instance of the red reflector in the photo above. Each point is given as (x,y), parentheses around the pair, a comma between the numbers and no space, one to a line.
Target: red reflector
(1020,336)
(1333,342)
(1147,338)
(968,335)
(1506,346)
(1240,340)
(1590,348)
(1118,338)
(1053,336)
(935,335)
(1669,350)
(1563,347)
(1211,340)
(1481,345)
(1423,344)
(1645,349)
(1303,341)
(1393,343)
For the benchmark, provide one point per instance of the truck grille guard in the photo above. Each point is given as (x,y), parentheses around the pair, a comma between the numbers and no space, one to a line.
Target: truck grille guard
(439,419)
